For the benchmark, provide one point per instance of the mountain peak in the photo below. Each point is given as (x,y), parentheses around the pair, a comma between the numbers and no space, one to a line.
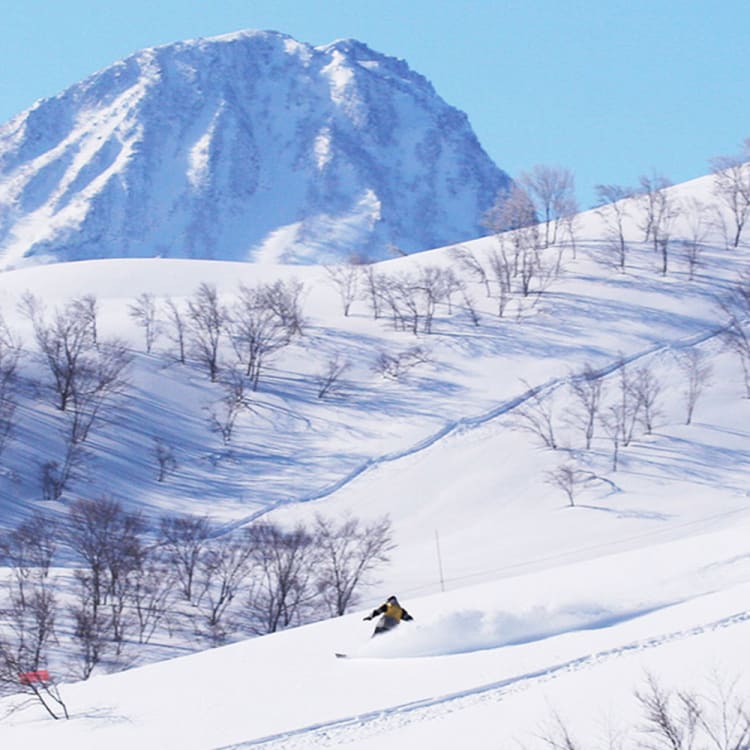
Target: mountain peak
(352,49)
(245,146)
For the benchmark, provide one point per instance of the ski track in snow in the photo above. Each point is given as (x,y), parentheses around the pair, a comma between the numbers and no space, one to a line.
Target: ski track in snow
(472,422)
(361,726)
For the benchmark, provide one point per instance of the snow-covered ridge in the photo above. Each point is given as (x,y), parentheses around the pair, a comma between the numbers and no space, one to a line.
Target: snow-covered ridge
(216,148)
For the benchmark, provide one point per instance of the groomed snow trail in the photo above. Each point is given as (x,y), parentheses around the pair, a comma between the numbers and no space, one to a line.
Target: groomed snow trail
(478,420)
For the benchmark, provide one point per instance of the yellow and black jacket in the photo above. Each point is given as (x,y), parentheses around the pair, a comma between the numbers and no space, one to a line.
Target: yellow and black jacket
(392,614)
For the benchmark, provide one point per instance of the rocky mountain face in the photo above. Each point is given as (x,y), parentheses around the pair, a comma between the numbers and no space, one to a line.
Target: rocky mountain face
(250,146)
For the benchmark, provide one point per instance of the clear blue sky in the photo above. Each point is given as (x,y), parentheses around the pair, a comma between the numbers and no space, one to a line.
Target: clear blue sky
(609,88)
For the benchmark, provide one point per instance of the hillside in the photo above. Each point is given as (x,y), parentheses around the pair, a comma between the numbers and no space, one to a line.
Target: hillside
(548,606)
(249,146)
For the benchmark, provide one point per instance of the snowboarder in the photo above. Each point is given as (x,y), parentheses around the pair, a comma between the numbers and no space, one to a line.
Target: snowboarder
(392,614)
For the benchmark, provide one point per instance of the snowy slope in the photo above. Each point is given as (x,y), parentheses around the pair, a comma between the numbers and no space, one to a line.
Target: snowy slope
(249,146)
(582,640)
(547,608)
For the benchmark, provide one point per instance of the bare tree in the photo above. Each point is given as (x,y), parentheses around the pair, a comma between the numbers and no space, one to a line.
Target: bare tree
(207,318)
(108,541)
(223,566)
(29,550)
(559,736)
(682,720)
(503,271)
(282,592)
(234,401)
(620,417)
(165,459)
(31,612)
(697,371)
(86,375)
(570,479)
(630,403)
(345,278)
(65,342)
(587,392)
(372,290)
(405,298)
(471,308)
(348,553)
(184,538)
(513,209)
(176,328)
(260,324)
(99,377)
(660,212)
(723,716)
(284,298)
(329,380)
(469,262)
(25,647)
(91,631)
(413,299)
(646,390)
(113,565)
(450,284)
(410,300)
(144,312)
(87,307)
(55,476)
(669,210)
(612,421)
(614,211)
(515,221)
(395,366)
(536,415)
(436,285)
(530,267)
(152,592)
(392,289)
(695,214)
(569,221)
(732,186)
(551,189)
(648,198)
(31,619)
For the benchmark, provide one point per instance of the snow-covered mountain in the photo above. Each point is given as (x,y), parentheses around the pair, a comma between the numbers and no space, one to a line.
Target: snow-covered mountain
(249,146)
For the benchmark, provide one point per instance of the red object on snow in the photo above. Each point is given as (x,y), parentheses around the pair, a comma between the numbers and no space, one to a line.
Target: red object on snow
(40,675)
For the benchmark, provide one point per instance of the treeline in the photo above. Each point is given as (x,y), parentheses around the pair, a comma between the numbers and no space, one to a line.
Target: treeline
(132,585)
(82,374)
(654,209)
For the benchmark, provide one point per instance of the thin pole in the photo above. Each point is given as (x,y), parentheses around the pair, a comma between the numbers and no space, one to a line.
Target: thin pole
(440,561)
